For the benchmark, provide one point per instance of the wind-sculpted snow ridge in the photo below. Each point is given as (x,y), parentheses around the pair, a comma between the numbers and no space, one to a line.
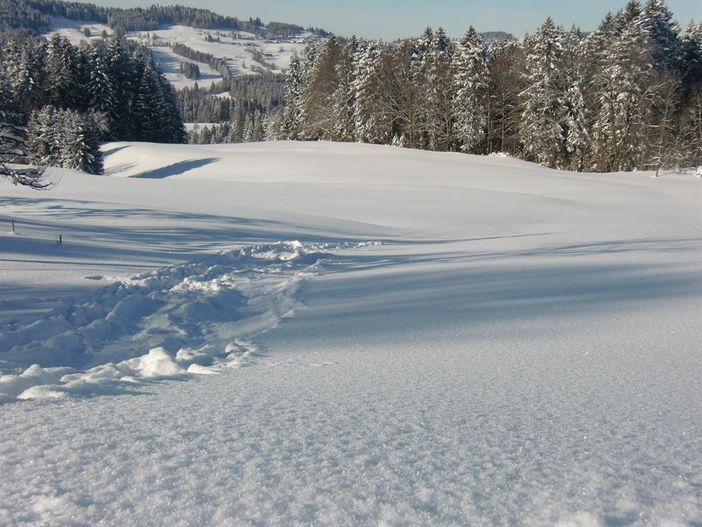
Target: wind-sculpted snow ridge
(205,310)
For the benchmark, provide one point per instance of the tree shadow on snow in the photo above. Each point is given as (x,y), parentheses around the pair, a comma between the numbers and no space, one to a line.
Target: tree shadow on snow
(176,169)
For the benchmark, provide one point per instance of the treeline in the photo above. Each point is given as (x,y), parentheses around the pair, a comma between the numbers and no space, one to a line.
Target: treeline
(246,127)
(60,101)
(151,18)
(34,15)
(190,70)
(283,30)
(627,96)
(252,104)
(220,65)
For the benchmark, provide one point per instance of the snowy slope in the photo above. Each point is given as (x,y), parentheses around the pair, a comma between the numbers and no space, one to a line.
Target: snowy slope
(234,47)
(74,30)
(169,62)
(452,340)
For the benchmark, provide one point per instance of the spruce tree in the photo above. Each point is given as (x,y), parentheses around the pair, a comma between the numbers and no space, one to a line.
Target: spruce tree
(657,20)
(469,105)
(343,98)
(99,84)
(290,124)
(439,83)
(63,72)
(542,119)
(621,111)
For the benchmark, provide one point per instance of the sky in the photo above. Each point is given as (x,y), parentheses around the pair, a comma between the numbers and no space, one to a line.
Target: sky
(390,19)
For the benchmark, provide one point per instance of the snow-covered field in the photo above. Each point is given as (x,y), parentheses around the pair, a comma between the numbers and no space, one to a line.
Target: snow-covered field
(74,30)
(169,62)
(335,334)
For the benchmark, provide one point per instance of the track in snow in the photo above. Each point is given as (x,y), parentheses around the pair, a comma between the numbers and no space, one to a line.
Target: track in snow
(192,318)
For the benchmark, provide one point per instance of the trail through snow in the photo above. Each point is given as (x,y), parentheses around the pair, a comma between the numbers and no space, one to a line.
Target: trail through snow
(193,318)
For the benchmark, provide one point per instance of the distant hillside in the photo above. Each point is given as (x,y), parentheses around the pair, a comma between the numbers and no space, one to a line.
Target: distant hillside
(497,36)
(35,15)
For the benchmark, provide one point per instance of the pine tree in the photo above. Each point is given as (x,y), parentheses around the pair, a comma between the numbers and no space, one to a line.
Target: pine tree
(343,98)
(439,92)
(63,72)
(541,124)
(65,138)
(23,65)
(371,123)
(321,83)
(690,62)
(12,142)
(575,125)
(80,143)
(43,138)
(625,72)
(469,105)
(122,74)
(11,129)
(99,86)
(293,100)
(657,20)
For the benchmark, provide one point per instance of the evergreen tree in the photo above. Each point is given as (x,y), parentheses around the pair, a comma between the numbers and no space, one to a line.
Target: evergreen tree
(624,74)
(12,142)
(11,129)
(100,87)
(657,20)
(470,86)
(439,83)
(293,100)
(317,116)
(541,127)
(122,75)
(22,61)
(80,143)
(371,123)
(575,125)
(65,138)
(63,73)
(343,98)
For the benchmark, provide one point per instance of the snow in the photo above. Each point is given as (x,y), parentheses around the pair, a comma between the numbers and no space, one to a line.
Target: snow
(169,62)
(73,30)
(234,47)
(296,333)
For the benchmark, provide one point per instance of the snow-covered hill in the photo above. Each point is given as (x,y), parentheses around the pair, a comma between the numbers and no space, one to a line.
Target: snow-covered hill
(244,53)
(313,333)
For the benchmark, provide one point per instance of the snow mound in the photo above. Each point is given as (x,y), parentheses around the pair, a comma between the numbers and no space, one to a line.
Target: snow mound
(202,310)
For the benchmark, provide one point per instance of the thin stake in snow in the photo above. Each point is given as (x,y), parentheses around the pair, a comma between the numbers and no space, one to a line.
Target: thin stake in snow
(12,223)
(59,241)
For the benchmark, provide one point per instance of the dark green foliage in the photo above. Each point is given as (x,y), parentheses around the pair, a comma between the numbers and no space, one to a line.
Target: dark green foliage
(215,63)
(250,103)
(73,98)
(190,70)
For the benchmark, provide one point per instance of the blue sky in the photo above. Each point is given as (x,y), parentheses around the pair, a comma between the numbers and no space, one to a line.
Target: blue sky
(390,19)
